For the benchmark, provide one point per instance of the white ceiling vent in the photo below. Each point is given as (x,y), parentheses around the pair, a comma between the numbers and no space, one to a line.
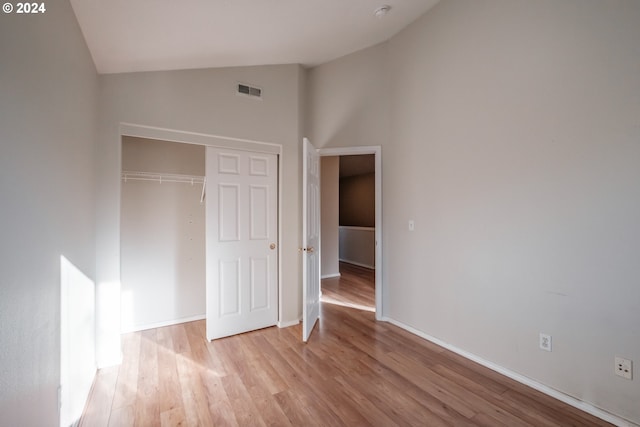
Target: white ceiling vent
(252,91)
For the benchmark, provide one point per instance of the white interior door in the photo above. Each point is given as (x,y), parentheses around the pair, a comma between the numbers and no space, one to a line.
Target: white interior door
(311,238)
(241,229)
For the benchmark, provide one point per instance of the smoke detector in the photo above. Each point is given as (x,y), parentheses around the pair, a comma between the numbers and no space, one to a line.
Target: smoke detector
(382,11)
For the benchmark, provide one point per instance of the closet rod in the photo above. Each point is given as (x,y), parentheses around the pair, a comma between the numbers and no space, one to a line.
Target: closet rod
(162,177)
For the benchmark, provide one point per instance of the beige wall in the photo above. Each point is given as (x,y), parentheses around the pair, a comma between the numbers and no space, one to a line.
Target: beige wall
(47,208)
(347,100)
(330,206)
(152,155)
(358,246)
(513,145)
(200,101)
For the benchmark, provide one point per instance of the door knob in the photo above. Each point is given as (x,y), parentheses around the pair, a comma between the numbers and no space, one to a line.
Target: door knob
(272,246)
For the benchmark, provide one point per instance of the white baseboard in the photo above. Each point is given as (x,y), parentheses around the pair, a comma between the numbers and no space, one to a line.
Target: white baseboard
(166,323)
(329,276)
(569,400)
(288,323)
(359,264)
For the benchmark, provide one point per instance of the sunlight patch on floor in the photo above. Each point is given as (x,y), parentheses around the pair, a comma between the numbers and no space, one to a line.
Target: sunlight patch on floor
(330,300)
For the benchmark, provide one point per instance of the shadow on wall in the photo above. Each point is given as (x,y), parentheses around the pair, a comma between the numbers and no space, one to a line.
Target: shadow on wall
(357,210)
(357,201)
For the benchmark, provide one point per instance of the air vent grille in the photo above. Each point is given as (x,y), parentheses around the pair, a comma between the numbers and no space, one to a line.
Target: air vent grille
(247,90)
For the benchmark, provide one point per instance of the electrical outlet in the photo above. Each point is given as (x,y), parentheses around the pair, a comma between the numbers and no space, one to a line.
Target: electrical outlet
(624,368)
(412,225)
(545,342)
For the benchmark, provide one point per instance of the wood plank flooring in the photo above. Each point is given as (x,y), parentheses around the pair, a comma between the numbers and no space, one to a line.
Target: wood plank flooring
(354,288)
(354,371)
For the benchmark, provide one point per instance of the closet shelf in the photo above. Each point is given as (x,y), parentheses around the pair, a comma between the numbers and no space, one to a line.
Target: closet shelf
(162,177)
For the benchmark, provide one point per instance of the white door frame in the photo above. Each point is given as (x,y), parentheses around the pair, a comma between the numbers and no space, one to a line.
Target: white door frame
(376,150)
(172,135)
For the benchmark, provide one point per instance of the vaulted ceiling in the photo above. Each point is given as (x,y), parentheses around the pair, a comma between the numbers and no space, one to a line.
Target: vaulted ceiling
(146,35)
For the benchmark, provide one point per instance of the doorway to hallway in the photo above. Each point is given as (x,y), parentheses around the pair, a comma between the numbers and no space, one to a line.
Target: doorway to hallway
(376,238)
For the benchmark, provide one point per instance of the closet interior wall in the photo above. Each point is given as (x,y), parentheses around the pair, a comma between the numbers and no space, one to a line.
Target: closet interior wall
(162,234)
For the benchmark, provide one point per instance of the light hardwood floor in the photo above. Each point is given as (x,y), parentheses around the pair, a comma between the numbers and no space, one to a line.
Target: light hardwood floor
(354,371)
(354,288)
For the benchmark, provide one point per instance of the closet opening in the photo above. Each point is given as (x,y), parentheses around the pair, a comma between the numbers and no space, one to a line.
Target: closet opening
(162,233)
